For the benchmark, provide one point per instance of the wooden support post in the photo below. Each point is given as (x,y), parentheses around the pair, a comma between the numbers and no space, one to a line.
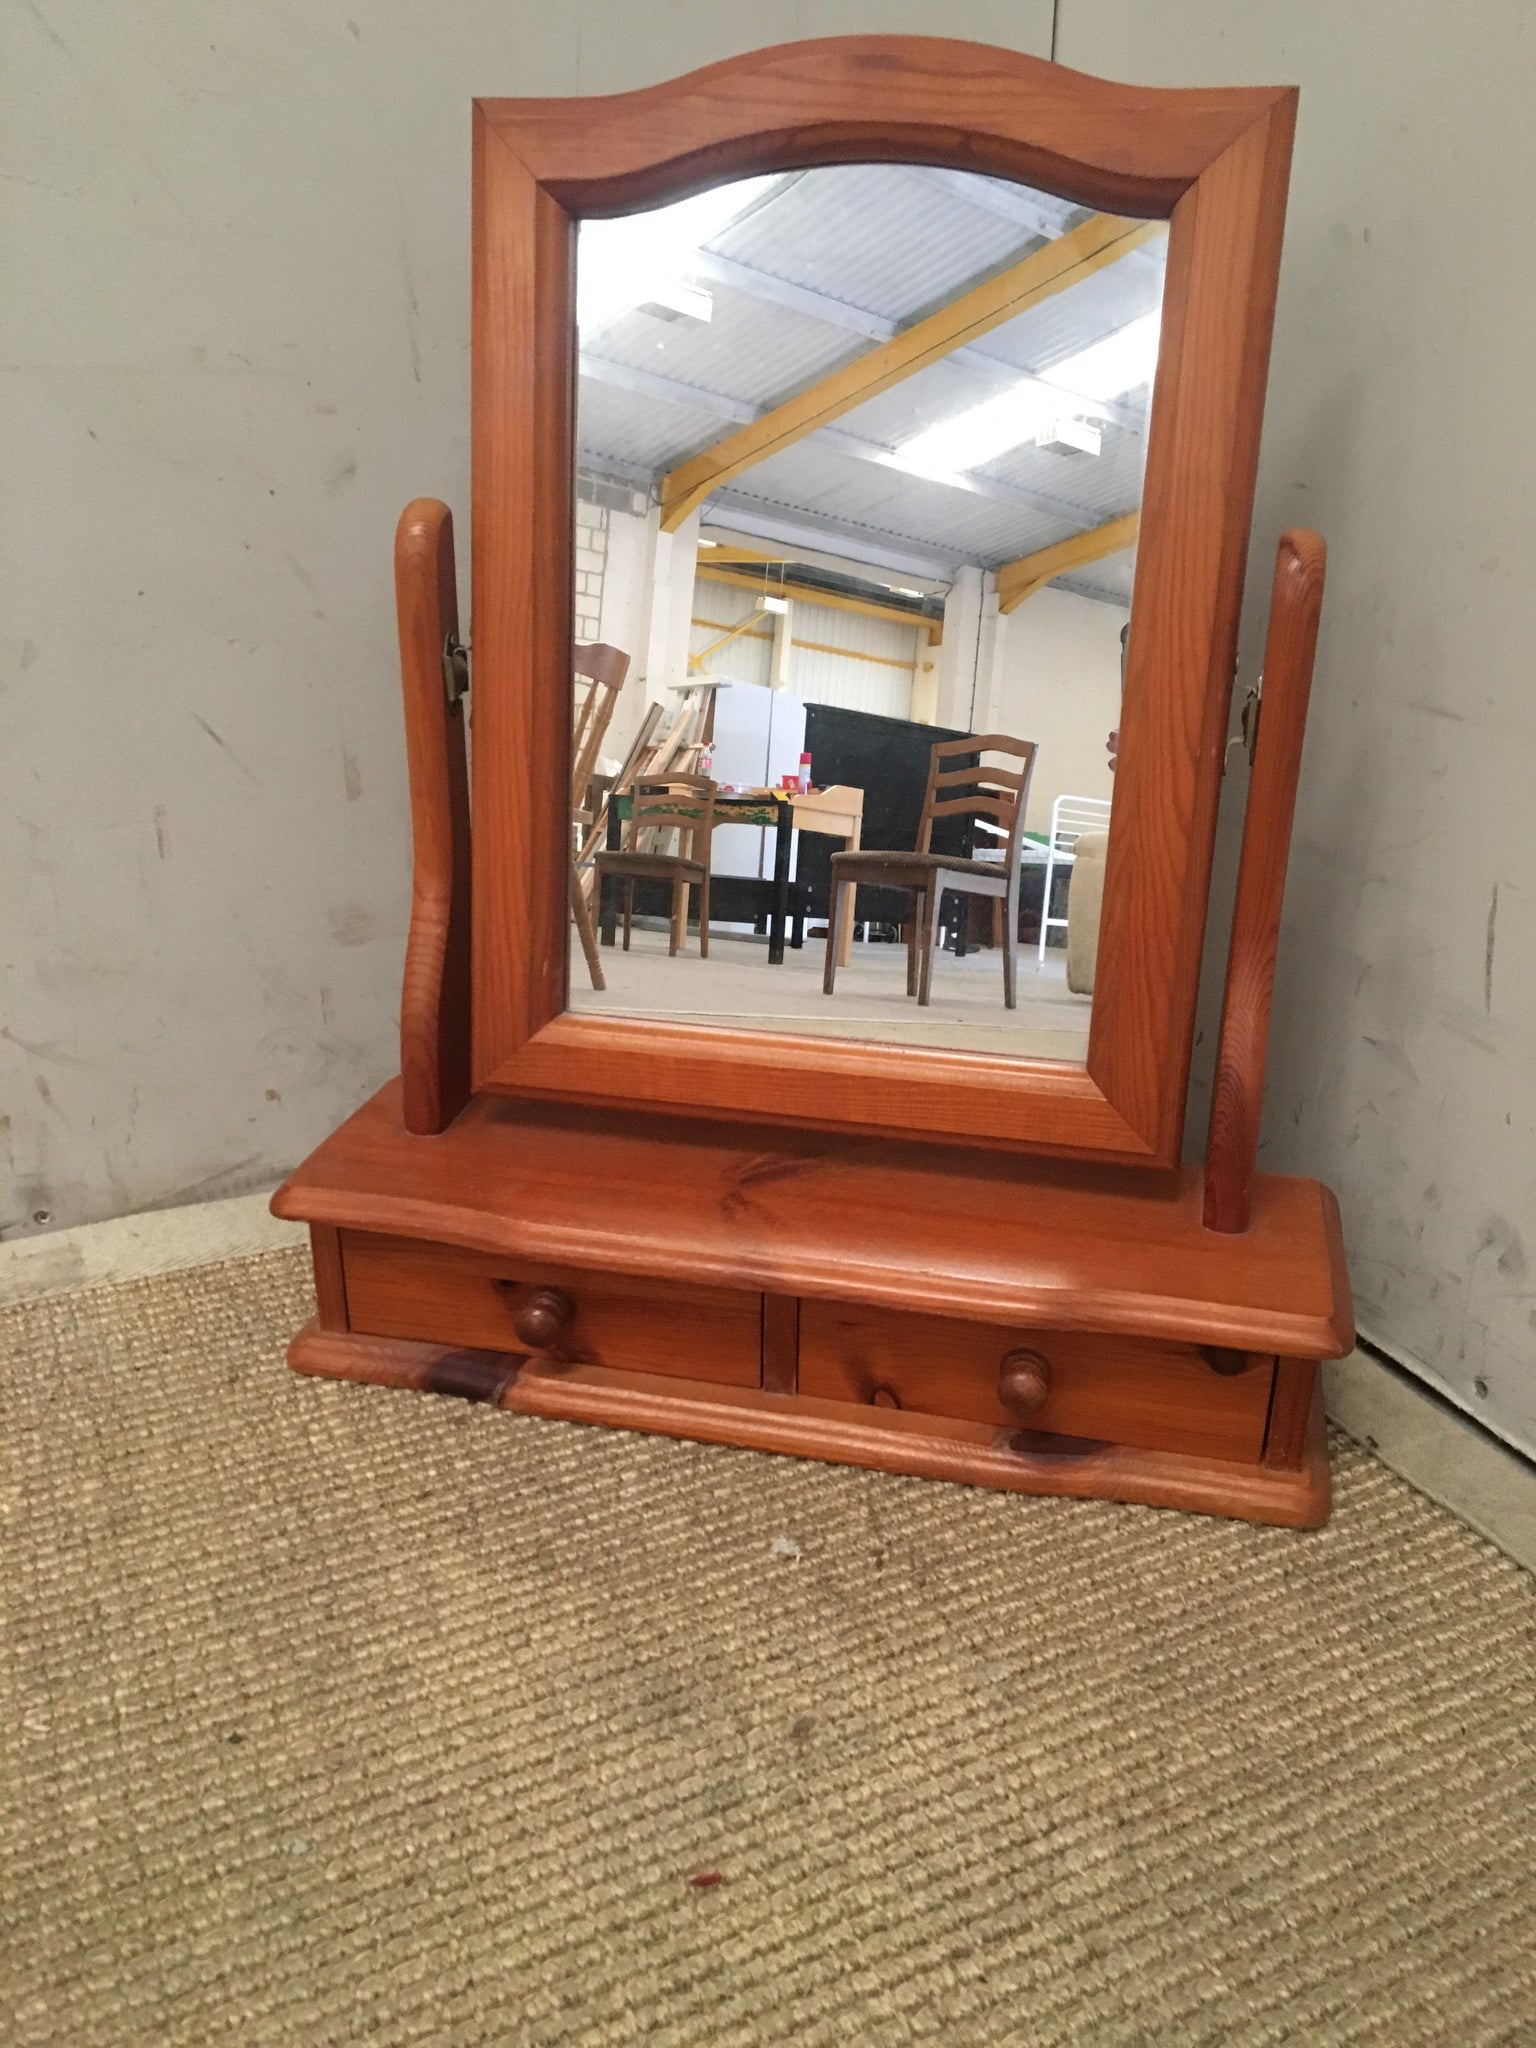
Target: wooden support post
(1238,1096)
(434,996)
(330,1277)
(1290,1414)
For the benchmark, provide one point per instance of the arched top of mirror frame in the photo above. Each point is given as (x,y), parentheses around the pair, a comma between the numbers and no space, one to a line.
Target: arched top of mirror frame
(1215,164)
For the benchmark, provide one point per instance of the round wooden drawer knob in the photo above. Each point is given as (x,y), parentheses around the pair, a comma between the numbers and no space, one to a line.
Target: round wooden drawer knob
(1024,1381)
(544,1318)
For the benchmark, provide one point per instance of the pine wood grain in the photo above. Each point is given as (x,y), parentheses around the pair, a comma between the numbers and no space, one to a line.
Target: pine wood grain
(926,1228)
(889,1440)
(399,1287)
(882,98)
(330,1280)
(1150,1394)
(1216,162)
(1295,1396)
(522,466)
(435,988)
(1237,1100)
(1197,502)
(781,1343)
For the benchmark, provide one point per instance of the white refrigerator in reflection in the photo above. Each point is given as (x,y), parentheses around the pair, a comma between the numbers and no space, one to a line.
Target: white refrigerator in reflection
(759,738)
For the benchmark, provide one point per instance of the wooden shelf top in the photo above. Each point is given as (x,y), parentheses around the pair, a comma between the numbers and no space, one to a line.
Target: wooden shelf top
(988,1236)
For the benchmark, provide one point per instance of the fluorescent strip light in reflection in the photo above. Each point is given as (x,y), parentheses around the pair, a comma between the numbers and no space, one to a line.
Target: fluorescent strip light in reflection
(974,437)
(1030,409)
(645,257)
(1121,362)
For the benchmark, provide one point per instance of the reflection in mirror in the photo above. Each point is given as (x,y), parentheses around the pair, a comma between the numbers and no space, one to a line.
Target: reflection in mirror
(859,477)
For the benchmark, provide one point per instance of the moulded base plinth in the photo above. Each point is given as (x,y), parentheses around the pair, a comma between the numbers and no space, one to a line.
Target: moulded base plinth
(887,1440)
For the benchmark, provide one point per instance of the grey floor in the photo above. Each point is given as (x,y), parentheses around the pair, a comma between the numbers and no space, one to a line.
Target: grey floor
(737,986)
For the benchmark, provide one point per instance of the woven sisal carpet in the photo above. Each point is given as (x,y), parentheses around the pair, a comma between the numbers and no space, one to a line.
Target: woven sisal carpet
(330,1715)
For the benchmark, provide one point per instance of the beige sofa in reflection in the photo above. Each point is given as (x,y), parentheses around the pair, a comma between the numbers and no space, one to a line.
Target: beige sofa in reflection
(1085,900)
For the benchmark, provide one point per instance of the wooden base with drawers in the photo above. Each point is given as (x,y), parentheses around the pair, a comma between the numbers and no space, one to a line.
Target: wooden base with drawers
(715,1282)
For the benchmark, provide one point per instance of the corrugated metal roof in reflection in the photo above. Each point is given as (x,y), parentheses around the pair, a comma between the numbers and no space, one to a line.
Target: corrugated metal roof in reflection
(889,240)
(1107,483)
(1058,327)
(643,432)
(744,351)
(884,237)
(940,392)
(890,502)
(1109,580)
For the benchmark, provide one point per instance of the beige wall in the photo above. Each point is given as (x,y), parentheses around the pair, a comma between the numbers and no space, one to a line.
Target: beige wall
(1056,681)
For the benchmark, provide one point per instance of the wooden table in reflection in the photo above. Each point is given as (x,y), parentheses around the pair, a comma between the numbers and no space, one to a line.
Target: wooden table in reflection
(838,812)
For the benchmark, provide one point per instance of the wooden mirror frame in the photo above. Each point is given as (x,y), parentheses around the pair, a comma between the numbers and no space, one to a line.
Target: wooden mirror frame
(1215,165)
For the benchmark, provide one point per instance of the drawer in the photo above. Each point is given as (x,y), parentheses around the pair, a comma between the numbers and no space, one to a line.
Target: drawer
(401,1287)
(1150,1395)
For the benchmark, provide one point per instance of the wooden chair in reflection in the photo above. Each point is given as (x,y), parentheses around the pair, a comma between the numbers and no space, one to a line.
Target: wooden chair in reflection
(995,797)
(684,804)
(603,669)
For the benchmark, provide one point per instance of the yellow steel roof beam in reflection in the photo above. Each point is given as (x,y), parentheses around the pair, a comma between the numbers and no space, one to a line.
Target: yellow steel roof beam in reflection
(834,600)
(1101,240)
(1019,579)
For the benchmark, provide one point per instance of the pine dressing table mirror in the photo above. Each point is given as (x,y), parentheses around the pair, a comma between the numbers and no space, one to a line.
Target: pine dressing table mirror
(861,430)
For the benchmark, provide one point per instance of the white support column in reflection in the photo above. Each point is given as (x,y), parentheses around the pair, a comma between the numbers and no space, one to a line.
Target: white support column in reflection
(955,672)
(991,659)
(626,615)
(674,560)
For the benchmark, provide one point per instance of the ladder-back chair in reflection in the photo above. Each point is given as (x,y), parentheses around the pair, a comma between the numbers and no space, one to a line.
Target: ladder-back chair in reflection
(995,797)
(684,804)
(603,669)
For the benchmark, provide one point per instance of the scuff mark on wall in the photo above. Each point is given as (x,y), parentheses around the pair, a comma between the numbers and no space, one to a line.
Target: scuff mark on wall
(1493,919)
(1500,1236)
(352,924)
(412,311)
(211,1184)
(302,573)
(224,747)
(351,776)
(162,832)
(1394,1056)
(44,1050)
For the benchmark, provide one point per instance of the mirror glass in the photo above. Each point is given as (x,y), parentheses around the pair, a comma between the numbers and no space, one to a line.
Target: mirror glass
(860,457)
